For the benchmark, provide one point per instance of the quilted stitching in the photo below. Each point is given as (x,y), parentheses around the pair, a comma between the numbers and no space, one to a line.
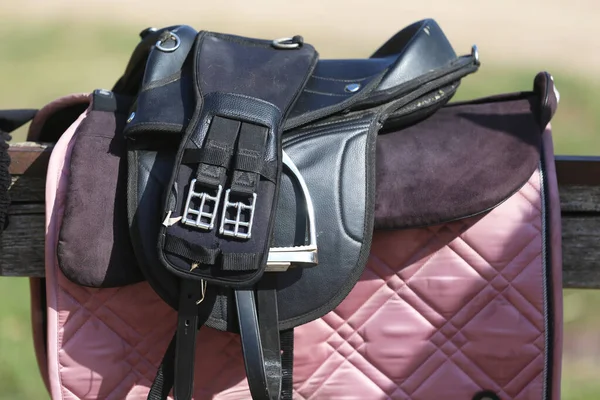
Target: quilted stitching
(449,309)
(454,342)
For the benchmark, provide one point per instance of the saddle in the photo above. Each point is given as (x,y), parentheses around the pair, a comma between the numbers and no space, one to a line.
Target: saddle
(251,179)
(263,192)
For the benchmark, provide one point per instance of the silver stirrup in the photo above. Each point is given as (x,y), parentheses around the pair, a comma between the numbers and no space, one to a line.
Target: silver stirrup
(281,258)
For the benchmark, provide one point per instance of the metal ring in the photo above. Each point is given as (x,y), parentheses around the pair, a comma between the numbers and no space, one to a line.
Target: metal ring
(475,54)
(173,36)
(285,43)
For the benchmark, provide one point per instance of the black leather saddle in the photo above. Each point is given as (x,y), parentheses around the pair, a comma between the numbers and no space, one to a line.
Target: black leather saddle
(251,183)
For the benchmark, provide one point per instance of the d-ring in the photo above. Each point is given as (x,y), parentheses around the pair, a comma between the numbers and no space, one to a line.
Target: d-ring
(288,42)
(173,36)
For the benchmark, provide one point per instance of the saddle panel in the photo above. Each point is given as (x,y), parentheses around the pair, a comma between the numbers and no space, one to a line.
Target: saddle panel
(98,197)
(448,167)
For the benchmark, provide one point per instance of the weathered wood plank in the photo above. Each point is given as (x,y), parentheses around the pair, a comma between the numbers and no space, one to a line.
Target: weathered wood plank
(578,170)
(29,157)
(580,199)
(27,188)
(581,251)
(22,246)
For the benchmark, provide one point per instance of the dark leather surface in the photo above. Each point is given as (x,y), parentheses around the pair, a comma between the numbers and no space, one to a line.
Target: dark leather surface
(162,65)
(185,349)
(415,50)
(344,214)
(255,84)
(424,48)
(131,80)
(336,157)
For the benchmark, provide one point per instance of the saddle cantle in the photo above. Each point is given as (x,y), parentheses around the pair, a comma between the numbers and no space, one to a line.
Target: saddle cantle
(251,159)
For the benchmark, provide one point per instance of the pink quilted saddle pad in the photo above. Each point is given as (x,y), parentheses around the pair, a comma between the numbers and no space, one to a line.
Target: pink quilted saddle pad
(466,310)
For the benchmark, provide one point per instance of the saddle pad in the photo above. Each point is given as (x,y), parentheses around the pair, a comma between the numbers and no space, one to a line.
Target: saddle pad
(464,309)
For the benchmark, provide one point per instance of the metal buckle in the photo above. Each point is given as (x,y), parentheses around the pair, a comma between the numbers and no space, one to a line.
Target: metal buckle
(199,213)
(237,222)
(282,258)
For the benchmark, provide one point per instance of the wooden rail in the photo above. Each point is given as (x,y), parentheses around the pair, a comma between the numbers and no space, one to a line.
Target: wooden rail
(22,244)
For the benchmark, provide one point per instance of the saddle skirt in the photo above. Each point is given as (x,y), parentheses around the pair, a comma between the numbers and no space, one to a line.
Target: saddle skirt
(449,284)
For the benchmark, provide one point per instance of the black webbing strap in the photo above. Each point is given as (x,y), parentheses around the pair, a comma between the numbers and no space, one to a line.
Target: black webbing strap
(192,252)
(216,154)
(202,255)
(249,159)
(14,119)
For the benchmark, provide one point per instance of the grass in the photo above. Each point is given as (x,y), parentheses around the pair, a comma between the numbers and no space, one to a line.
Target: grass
(54,59)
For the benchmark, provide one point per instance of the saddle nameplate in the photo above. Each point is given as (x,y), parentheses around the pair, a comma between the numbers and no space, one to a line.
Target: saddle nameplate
(238,222)
(202,219)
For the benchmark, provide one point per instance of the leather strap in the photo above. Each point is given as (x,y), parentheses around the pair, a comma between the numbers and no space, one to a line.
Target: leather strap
(185,346)
(260,340)
(163,382)
(287,363)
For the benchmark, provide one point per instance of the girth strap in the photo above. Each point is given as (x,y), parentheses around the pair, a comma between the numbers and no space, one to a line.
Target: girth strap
(165,374)
(188,321)
(260,341)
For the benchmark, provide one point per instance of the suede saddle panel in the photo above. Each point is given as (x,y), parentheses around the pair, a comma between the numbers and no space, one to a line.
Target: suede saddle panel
(457,309)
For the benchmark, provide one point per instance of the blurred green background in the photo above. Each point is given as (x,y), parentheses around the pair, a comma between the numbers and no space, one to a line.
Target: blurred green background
(52,48)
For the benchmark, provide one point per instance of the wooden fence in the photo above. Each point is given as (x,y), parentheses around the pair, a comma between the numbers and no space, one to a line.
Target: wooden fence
(22,244)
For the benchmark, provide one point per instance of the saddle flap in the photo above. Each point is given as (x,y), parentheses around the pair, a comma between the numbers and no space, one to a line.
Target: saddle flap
(220,202)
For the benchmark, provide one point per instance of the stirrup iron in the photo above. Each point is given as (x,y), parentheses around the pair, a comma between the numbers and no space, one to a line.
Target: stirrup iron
(282,258)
